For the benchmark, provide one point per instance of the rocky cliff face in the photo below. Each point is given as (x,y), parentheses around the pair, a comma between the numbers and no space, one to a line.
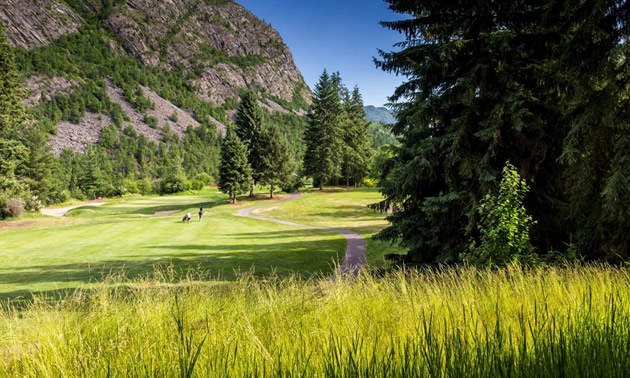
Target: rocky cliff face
(218,44)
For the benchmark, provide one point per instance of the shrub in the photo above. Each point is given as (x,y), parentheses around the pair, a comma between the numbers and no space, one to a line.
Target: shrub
(11,207)
(174,184)
(151,121)
(292,184)
(174,117)
(205,178)
(195,184)
(130,186)
(504,226)
(368,183)
(61,196)
(33,204)
(144,186)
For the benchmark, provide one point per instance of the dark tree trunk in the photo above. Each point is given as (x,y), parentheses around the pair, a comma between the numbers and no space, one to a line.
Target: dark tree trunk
(271,192)
(233,198)
(251,190)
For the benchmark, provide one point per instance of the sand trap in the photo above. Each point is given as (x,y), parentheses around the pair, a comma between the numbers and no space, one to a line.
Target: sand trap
(61,211)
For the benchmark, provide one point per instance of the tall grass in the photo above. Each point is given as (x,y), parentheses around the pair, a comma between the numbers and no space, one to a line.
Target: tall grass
(572,321)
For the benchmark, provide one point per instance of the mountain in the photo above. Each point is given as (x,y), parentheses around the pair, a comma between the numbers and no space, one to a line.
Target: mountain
(381,114)
(146,64)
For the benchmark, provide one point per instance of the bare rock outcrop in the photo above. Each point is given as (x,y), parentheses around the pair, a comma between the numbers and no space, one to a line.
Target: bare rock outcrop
(35,23)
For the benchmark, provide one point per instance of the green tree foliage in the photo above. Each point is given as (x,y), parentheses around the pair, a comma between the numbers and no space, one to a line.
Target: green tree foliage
(25,162)
(323,136)
(91,180)
(504,225)
(235,173)
(381,135)
(108,137)
(250,129)
(356,139)
(277,164)
(543,85)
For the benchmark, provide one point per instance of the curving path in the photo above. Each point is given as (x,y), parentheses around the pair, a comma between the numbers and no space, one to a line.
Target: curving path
(355,253)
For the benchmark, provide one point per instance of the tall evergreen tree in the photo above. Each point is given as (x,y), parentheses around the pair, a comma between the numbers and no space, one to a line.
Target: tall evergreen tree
(235,173)
(357,153)
(277,162)
(249,122)
(323,133)
(483,87)
(92,180)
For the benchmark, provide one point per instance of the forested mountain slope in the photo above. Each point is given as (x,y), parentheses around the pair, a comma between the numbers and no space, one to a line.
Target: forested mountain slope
(146,64)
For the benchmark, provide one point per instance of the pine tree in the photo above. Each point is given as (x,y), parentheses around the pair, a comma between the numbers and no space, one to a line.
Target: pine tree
(91,180)
(323,133)
(249,122)
(277,162)
(235,173)
(357,153)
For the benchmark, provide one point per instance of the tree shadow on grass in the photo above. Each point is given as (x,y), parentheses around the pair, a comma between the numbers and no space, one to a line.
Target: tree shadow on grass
(224,261)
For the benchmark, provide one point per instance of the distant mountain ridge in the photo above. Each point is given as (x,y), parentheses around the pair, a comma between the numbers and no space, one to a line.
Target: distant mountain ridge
(380,114)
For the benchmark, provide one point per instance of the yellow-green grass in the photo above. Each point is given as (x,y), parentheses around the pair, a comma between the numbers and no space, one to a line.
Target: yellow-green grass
(564,322)
(338,208)
(56,254)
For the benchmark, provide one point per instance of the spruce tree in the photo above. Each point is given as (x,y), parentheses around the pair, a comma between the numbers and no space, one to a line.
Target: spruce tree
(483,87)
(277,162)
(235,173)
(357,153)
(323,133)
(249,122)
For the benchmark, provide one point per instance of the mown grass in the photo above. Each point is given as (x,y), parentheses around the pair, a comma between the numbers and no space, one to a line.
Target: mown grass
(57,254)
(340,208)
(572,321)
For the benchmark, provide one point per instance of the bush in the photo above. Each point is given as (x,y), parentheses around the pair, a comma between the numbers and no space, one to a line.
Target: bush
(504,226)
(33,204)
(195,184)
(151,121)
(61,196)
(368,183)
(11,207)
(205,179)
(174,184)
(144,186)
(130,186)
(292,184)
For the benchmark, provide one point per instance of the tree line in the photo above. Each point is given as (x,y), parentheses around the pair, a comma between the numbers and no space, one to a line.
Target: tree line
(337,144)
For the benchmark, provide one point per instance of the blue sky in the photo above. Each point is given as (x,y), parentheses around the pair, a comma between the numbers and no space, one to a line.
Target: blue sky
(341,35)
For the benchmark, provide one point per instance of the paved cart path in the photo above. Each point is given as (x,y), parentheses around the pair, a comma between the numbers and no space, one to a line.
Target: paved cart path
(355,253)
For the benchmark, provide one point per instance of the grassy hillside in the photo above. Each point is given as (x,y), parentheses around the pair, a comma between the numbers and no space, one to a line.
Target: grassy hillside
(548,323)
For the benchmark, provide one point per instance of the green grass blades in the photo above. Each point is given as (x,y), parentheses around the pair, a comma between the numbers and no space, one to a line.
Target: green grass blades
(572,321)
